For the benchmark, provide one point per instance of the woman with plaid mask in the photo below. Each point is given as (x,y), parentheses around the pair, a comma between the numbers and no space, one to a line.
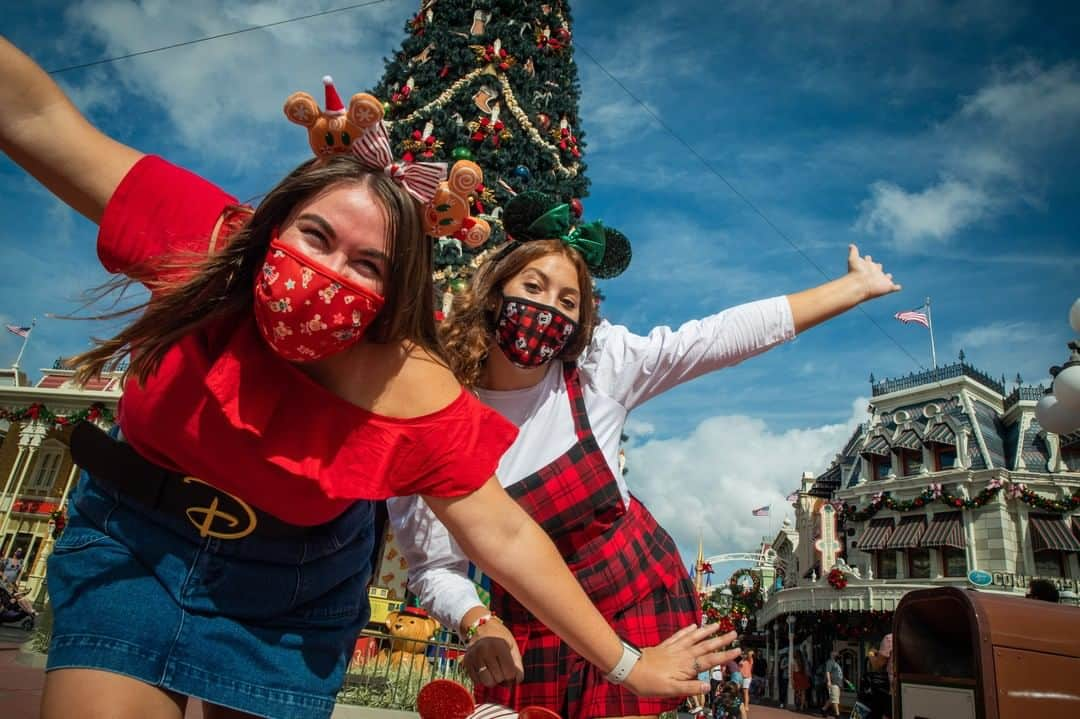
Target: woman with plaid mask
(285,374)
(525,335)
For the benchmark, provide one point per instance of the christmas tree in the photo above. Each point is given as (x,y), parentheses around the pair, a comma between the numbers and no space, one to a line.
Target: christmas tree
(492,81)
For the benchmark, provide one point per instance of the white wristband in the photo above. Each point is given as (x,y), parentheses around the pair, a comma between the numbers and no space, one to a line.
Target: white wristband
(630,655)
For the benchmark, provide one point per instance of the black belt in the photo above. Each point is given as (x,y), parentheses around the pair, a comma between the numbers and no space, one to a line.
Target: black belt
(213,512)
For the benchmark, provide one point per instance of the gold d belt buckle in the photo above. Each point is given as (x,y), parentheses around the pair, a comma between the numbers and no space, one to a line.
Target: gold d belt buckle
(211,513)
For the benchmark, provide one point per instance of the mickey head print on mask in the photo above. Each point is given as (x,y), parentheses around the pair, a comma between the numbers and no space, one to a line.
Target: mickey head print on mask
(529,333)
(306,311)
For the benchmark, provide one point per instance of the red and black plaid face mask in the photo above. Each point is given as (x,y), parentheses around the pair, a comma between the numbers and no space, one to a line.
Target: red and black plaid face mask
(530,334)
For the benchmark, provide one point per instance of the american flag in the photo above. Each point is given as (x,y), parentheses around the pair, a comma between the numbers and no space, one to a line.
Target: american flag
(761,511)
(793,496)
(915,316)
(20,331)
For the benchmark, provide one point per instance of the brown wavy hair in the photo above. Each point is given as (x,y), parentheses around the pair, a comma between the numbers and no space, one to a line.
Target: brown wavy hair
(190,291)
(468,332)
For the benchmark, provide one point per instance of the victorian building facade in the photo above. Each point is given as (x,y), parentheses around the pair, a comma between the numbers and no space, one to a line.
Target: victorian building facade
(951,481)
(36,470)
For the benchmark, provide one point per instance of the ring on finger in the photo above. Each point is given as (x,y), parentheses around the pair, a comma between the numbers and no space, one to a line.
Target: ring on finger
(481,669)
(697,667)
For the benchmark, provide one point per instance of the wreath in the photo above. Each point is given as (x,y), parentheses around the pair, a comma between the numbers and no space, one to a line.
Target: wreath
(739,589)
(837,580)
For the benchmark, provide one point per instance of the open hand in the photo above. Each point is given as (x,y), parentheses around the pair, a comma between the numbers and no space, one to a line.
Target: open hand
(873,278)
(493,657)
(671,668)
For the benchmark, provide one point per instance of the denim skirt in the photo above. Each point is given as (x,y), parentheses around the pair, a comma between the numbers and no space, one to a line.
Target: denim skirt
(261,625)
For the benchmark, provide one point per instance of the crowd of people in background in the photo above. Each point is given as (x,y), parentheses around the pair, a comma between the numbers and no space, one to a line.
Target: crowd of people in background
(732,687)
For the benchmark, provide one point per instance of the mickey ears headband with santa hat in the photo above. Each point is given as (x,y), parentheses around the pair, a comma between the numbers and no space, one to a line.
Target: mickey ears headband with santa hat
(534,215)
(360,130)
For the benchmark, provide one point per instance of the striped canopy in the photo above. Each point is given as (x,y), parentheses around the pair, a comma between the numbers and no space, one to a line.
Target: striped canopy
(945,530)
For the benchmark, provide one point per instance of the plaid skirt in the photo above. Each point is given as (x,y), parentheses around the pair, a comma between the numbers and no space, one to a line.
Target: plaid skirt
(558,678)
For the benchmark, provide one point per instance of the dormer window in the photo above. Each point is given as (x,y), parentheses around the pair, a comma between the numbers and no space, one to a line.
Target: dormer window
(944,457)
(911,461)
(882,467)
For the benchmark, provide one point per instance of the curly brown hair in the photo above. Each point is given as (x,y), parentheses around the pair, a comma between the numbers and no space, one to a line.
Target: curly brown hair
(191,290)
(468,331)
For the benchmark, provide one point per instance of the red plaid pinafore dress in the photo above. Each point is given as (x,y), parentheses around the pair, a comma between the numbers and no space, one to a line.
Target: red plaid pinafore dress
(627,564)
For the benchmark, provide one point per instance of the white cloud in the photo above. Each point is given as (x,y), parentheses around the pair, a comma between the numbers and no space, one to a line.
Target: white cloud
(236,81)
(710,479)
(1010,348)
(915,219)
(996,149)
(638,428)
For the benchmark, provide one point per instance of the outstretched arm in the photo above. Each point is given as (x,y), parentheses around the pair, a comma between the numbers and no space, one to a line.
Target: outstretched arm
(509,546)
(865,280)
(45,134)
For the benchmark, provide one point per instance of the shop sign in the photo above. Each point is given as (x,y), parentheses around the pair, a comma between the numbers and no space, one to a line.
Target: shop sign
(1008,580)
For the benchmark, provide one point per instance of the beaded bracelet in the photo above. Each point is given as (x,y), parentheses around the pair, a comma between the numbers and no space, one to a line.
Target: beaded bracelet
(474,628)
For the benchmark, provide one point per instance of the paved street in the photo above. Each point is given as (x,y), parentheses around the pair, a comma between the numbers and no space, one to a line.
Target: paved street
(20,690)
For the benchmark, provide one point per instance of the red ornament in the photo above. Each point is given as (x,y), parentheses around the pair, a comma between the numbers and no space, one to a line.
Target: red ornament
(544,120)
(577,208)
(34,411)
(408,157)
(445,71)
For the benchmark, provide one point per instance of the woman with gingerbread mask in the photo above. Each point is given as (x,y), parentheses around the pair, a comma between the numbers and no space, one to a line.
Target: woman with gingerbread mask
(285,374)
(526,336)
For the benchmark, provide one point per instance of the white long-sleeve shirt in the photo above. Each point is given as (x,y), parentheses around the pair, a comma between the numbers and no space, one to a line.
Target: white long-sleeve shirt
(619,371)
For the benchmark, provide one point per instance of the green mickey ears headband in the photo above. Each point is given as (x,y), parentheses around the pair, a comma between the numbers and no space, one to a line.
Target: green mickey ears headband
(535,216)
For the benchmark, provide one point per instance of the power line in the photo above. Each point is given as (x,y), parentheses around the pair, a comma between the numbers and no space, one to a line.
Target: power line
(667,128)
(231,33)
(701,158)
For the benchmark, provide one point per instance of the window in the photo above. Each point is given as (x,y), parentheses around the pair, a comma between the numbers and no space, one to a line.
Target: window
(886,565)
(48,465)
(918,563)
(882,467)
(944,457)
(911,461)
(1049,563)
(953,562)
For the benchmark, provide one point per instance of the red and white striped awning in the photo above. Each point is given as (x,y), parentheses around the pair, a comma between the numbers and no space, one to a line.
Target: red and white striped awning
(876,535)
(945,530)
(908,534)
(1051,534)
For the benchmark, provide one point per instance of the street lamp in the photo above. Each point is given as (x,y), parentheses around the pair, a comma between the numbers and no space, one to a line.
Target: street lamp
(1059,410)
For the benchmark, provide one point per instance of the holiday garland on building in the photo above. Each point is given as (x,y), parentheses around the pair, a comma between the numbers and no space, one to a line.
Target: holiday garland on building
(493,81)
(38,412)
(936,493)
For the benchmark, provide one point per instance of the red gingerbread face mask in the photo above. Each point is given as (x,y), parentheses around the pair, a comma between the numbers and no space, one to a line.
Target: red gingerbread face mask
(306,311)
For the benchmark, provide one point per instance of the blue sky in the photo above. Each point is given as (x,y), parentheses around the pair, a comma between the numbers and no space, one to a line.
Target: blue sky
(940,137)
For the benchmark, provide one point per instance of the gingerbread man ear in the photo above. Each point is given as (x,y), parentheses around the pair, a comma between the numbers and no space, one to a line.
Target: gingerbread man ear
(364,110)
(302,109)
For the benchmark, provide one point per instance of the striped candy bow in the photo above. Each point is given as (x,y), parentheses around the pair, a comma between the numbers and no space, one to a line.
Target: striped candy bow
(419,179)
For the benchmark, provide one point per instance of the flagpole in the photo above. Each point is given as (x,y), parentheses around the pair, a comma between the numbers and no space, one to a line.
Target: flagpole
(22,349)
(930,323)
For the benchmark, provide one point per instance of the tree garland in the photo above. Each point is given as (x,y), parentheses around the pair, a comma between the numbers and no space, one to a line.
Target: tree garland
(38,412)
(935,493)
